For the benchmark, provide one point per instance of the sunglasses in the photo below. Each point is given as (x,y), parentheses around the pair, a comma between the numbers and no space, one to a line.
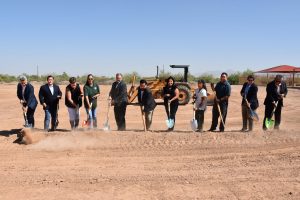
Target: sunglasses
(90,79)
(250,80)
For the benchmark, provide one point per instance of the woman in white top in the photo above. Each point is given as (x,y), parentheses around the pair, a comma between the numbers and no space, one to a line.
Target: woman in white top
(200,103)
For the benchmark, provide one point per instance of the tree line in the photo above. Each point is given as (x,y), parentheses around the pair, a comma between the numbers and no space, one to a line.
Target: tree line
(233,78)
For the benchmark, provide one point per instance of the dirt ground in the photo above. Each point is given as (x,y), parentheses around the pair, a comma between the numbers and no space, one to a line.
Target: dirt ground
(158,165)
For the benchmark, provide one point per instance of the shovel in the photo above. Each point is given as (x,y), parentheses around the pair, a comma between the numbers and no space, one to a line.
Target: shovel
(57,122)
(25,117)
(220,113)
(86,122)
(269,123)
(106,126)
(252,114)
(169,121)
(194,122)
(218,105)
(143,118)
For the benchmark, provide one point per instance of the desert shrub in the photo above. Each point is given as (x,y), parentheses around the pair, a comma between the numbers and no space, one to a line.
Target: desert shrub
(208,78)
(127,77)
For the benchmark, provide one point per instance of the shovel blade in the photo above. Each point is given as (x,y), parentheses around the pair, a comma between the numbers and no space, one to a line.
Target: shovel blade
(26,123)
(269,123)
(194,125)
(106,127)
(253,115)
(85,123)
(170,123)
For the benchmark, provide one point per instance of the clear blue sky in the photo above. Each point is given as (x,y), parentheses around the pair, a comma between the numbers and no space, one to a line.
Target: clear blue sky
(105,37)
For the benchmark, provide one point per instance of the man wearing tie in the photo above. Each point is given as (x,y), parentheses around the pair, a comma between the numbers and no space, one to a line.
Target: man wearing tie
(146,100)
(49,96)
(118,95)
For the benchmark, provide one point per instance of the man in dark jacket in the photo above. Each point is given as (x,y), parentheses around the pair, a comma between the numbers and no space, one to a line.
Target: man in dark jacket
(146,100)
(25,93)
(118,95)
(249,94)
(49,96)
(223,91)
(276,91)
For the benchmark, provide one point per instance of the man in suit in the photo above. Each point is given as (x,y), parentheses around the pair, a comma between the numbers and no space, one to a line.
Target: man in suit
(25,93)
(146,100)
(249,94)
(118,95)
(49,96)
(276,91)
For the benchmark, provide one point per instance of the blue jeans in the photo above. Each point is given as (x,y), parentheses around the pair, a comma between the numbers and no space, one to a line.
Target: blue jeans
(92,117)
(50,114)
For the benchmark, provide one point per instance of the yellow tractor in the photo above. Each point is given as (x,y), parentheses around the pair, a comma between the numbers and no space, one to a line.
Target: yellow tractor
(185,90)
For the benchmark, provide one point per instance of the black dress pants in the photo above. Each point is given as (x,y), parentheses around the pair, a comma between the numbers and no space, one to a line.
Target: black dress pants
(120,112)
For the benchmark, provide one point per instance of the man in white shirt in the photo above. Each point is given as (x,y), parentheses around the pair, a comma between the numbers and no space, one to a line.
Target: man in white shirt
(49,96)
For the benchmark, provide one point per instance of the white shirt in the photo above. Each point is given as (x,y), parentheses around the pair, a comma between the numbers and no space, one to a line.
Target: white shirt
(199,94)
(278,88)
(51,88)
(23,91)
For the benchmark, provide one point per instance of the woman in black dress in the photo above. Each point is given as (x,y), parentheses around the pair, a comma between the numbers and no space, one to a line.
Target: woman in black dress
(171,94)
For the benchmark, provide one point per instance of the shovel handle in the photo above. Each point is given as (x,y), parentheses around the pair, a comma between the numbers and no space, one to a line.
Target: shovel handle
(218,105)
(143,119)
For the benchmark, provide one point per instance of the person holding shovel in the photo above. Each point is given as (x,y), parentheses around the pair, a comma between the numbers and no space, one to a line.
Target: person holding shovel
(73,101)
(249,101)
(91,93)
(200,104)
(276,91)
(222,91)
(118,97)
(171,102)
(49,96)
(25,93)
(146,102)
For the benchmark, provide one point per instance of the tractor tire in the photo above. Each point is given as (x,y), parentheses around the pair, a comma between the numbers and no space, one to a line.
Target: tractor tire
(184,95)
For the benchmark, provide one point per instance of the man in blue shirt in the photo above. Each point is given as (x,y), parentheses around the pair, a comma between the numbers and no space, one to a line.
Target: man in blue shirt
(249,101)
(222,90)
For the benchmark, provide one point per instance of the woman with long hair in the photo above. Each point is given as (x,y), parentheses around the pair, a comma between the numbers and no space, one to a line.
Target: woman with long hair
(171,102)
(91,93)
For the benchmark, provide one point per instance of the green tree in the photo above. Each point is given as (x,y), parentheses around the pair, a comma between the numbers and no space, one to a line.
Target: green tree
(233,79)
(127,77)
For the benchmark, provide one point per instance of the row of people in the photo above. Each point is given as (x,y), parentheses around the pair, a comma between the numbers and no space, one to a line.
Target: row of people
(75,97)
